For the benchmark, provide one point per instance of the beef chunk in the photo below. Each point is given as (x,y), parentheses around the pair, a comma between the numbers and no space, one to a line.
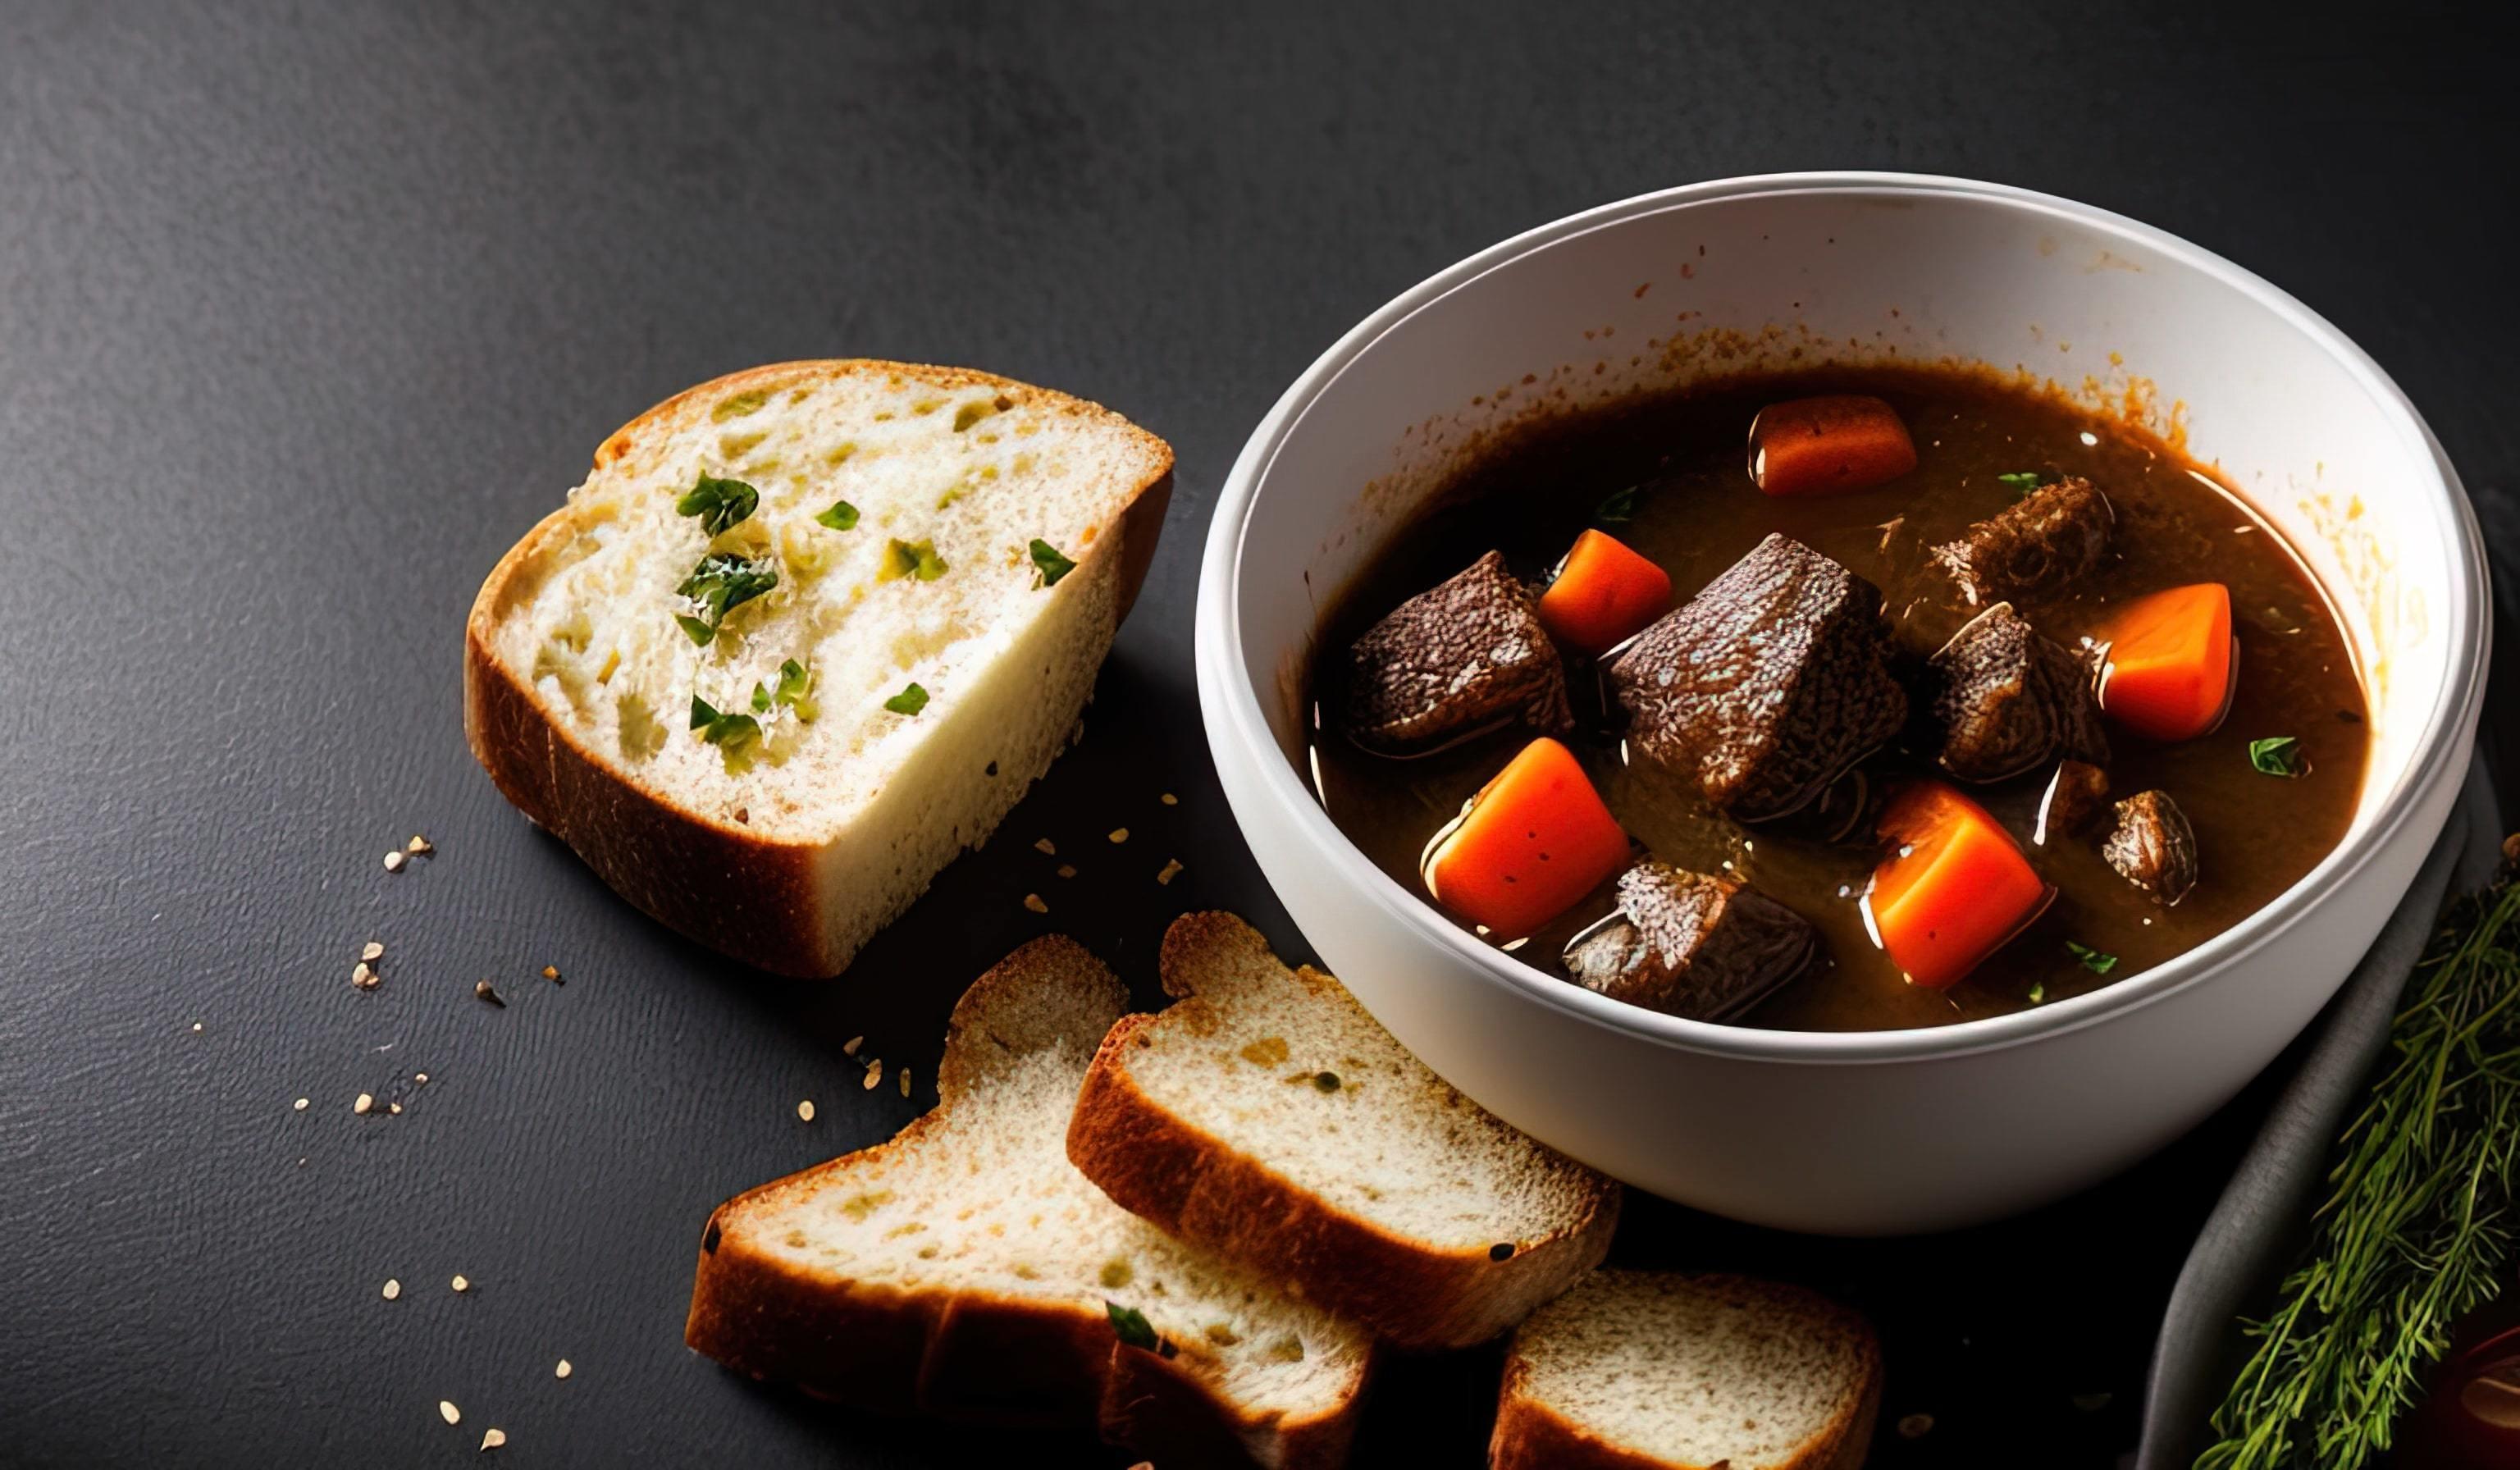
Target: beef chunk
(1767,686)
(2008,699)
(2152,846)
(1690,945)
(2075,795)
(1465,656)
(2053,535)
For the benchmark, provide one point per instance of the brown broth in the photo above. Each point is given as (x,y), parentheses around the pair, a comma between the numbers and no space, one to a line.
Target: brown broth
(1697,514)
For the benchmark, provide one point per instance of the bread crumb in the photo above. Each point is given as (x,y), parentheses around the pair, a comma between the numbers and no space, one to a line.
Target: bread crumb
(1915,1426)
(447,1410)
(904,1079)
(1068,870)
(1033,902)
(421,1078)
(1171,800)
(300,1105)
(419,846)
(850,1047)
(197,1027)
(551,972)
(460,1284)
(372,951)
(805,1110)
(483,990)
(364,976)
(1119,834)
(875,1073)
(393,1288)
(492,1439)
(394,1108)
(364,1103)
(563,1371)
(393,861)
(1171,870)
(1047,848)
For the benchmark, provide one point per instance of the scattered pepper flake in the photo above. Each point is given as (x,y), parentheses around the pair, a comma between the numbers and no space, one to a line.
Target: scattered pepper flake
(481,989)
(1171,870)
(394,861)
(1033,902)
(805,1110)
(393,1288)
(447,1410)
(1119,834)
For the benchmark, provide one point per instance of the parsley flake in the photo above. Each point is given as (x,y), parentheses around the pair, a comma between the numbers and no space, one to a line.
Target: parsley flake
(2098,962)
(733,734)
(796,691)
(719,504)
(721,583)
(1135,1331)
(2039,993)
(2275,755)
(1048,564)
(910,558)
(1618,507)
(910,701)
(843,516)
(2021,482)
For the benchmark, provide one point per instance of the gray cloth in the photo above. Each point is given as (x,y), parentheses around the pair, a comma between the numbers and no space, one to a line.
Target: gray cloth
(2261,1220)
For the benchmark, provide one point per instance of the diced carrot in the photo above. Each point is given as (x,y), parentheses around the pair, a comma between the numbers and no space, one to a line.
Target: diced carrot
(1604,591)
(1955,890)
(1533,841)
(1828,446)
(2170,662)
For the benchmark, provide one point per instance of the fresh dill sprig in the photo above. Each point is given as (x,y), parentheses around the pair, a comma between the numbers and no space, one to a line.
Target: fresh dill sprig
(2417,1229)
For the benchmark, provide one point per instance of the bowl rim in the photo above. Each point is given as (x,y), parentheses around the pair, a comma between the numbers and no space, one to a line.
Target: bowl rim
(1238,728)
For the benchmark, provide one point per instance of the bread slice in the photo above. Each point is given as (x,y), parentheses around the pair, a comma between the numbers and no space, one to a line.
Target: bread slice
(1653,1370)
(964,1268)
(788,844)
(1267,1116)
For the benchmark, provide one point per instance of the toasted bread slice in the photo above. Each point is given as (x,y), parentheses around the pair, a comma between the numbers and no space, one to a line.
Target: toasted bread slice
(1267,1116)
(1653,1370)
(965,1269)
(839,559)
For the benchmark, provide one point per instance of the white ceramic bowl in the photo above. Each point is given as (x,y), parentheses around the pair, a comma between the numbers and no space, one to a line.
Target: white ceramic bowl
(1872,1131)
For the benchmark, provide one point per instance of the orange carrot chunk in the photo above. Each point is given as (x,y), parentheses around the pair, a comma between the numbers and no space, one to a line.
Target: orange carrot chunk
(1533,841)
(1828,446)
(1604,591)
(2170,663)
(1955,889)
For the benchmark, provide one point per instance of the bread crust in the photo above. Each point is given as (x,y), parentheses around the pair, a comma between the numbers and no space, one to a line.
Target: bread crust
(977,1355)
(1194,1187)
(752,897)
(1532,1435)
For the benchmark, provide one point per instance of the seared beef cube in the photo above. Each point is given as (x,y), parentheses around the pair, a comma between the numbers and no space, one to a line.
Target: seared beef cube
(2075,795)
(1467,657)
(1767,686)
(1690,945)
(2008,699)
(2050,537)
(2152,846)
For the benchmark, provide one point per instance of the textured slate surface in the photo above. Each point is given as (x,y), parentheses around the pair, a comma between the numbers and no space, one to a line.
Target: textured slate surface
(305,313)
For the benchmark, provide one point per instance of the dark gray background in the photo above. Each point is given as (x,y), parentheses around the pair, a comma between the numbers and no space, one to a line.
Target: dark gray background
(305,314)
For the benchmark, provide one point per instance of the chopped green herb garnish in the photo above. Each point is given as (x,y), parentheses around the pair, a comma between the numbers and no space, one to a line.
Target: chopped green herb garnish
(719,504)
(2039,993)
(843,516)
(2093,959)
(2275,755)
(796,691)
(1049,565)
(735,735)
(761,698)
(910,701)
(2021,482)
(1619,507)
(738,406)
(721,583)
(910,558)
(1135,1331)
